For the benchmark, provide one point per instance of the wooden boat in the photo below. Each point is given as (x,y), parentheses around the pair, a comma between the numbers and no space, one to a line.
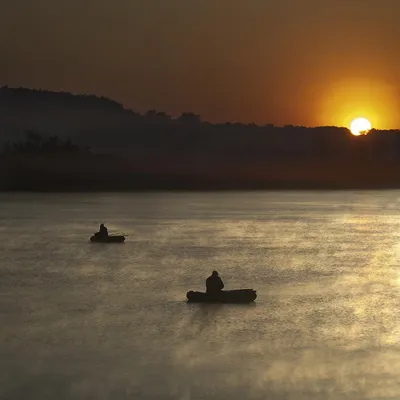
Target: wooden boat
(225,296)
(109,239)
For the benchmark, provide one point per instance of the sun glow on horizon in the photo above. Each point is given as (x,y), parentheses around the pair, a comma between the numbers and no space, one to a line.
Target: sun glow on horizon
(360,126)
(344,100)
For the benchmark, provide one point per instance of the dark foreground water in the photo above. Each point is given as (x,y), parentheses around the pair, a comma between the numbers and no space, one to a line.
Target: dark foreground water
(92,321)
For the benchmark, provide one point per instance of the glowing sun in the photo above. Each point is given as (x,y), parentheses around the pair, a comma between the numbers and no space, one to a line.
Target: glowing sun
(360,126)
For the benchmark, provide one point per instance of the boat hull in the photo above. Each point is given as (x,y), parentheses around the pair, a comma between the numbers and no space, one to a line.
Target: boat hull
(110,239)
(226,296)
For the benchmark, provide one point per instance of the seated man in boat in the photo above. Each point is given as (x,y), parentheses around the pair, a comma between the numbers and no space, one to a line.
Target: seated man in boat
(214,284)
(102,233)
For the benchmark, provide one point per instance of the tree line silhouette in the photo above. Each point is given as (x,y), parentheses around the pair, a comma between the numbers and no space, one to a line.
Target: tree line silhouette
(38,145)
(62,141)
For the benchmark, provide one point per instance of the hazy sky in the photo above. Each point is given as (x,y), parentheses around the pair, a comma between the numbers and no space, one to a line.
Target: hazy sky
(305,62)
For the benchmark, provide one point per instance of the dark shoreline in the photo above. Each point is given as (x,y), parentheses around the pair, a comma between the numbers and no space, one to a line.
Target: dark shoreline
(155,152)
(204,190)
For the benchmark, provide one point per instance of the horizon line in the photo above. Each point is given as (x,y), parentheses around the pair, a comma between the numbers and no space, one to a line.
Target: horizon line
(176,117)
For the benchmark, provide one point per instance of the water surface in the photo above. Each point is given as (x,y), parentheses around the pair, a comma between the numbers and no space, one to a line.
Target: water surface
(91,321)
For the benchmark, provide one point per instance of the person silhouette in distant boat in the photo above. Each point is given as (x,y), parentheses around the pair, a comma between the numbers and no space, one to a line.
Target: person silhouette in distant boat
(214,284)
(103,231)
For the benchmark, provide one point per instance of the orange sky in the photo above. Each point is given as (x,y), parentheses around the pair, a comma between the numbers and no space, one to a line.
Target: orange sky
(302,62)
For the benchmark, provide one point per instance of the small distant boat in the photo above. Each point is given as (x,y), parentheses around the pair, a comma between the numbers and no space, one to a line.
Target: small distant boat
(226,296)
(108,239)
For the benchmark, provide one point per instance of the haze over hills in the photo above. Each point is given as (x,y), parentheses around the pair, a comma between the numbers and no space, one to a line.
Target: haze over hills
(80,117)
(154,150)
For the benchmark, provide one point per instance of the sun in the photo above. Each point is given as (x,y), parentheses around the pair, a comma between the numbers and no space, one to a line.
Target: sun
(360,126)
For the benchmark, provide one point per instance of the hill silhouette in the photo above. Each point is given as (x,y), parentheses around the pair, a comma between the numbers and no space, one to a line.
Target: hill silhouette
(64,141)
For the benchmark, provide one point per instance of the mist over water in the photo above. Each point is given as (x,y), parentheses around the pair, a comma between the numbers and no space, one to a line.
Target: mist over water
(91,321)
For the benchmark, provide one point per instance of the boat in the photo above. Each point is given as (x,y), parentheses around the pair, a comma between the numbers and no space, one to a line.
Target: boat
(109,239)
(225,296)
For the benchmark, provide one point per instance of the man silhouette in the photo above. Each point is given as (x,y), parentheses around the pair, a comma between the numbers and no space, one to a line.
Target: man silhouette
(103,231)
(214,284)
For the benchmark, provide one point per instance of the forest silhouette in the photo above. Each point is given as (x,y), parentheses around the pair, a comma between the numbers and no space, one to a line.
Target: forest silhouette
(58,141)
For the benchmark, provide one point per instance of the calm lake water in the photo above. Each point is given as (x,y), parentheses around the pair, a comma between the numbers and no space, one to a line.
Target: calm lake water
(91,321)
